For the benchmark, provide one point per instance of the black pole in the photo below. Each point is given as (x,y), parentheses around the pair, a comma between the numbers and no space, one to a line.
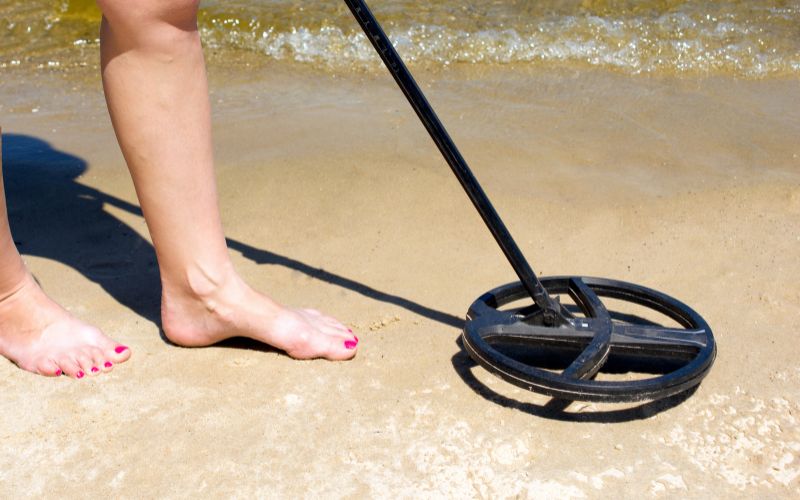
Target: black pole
(453,157)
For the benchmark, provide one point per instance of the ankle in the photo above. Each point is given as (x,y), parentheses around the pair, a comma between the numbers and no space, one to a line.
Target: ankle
(14,276)
(13,287)
(207,282)
(199,281)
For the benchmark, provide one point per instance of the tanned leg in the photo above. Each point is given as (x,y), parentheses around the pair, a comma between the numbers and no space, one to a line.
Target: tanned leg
(155,83)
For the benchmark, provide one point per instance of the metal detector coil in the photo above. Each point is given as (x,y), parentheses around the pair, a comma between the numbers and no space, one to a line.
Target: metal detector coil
(587,330)
(591,335)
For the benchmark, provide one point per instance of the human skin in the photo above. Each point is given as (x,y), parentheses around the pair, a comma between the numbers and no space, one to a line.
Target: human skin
(157,94)
(36,333)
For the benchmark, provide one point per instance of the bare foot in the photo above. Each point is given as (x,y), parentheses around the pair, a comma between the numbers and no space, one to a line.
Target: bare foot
(233,309)
(40,336)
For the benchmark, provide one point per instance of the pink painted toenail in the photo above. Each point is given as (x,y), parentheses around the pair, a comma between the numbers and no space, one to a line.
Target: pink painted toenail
(95,369)
(108,364)
(120,349)
(80,374)
(350,344)
(58,373)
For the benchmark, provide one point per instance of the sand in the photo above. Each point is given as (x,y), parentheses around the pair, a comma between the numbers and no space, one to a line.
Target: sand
(333,196)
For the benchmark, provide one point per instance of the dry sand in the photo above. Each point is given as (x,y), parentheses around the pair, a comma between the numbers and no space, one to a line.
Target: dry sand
(333,196)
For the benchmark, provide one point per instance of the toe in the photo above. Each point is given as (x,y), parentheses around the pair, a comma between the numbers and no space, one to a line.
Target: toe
(342,344)
(118,354)
(98,360)
(49,368)
(86,363)
(341,347)
(71,368)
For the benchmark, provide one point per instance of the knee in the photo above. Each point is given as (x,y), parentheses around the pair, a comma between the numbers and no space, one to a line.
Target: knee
(179,13)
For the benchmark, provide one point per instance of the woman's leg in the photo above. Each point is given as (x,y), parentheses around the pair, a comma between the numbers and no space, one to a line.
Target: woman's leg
(155,83)
(36,333)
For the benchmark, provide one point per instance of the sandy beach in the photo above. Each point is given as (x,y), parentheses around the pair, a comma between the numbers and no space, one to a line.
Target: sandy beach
(333,196)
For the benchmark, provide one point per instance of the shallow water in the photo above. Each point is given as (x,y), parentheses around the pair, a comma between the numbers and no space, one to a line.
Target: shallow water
(745,38)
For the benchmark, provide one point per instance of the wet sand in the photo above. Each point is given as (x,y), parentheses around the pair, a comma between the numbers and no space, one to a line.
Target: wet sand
(334,196)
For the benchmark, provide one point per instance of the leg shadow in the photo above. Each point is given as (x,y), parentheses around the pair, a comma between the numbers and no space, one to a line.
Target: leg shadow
(260,256)
(53,215)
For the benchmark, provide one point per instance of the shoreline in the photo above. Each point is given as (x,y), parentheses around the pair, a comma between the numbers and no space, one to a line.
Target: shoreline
(691,187)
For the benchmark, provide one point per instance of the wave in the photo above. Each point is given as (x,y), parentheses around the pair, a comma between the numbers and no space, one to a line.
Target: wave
(751,39)
(672,43)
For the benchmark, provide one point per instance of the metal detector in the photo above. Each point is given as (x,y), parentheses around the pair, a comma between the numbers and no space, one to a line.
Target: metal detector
(516,341)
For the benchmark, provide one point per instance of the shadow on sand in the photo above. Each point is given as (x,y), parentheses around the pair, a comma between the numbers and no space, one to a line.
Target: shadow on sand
(557,409)
(53,215)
